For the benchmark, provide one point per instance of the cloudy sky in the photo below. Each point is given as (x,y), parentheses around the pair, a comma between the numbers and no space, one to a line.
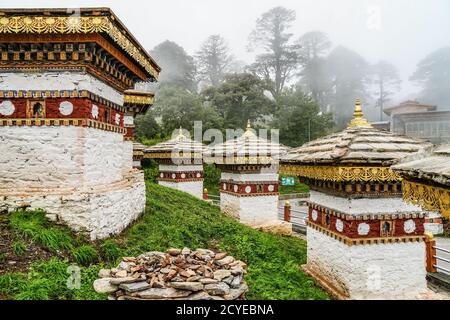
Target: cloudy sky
(400,31)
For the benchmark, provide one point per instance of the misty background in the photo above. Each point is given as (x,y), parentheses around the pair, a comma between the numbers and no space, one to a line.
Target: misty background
(332,52)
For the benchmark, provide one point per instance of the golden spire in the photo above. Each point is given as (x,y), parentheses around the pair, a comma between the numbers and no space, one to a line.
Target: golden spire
(248,131)
(358,120)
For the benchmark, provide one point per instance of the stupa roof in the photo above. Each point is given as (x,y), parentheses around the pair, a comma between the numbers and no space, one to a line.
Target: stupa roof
(179,145)
(359,143)
(60,23)
(432,165)
(248,148)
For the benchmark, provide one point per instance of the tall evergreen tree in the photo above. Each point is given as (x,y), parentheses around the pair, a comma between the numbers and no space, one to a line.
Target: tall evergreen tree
(213,60)
(278,60)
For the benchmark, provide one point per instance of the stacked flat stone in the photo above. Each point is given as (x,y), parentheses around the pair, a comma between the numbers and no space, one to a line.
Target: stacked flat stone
(177,274)
(180,163)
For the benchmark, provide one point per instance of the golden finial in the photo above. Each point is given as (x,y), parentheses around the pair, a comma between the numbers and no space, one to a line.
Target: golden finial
(358,120)
(248,131)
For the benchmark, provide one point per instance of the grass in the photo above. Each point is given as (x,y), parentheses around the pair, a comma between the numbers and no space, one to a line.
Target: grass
(34,225)
(19,247)
(171,219)
(298,187)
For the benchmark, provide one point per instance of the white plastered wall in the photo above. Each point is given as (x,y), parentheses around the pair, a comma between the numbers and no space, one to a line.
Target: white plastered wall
(372,271)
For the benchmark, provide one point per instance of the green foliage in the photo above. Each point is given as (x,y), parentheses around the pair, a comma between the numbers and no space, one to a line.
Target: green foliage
(2,258)
(296,188)
(47,280)
(34,225)
(211,178)
(239,98)
(85,255)
(151,170)
(19,247)
(179,107)
(147,127)
(110,251)
(299,119)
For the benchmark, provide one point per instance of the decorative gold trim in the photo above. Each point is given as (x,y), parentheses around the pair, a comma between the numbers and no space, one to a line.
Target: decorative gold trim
(362,241)
(339,174)
(129,98)
(62,122)
(68,25)
(240,160)
(428,197)
(169,155)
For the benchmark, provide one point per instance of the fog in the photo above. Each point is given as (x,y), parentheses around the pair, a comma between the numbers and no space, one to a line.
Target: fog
(402,31)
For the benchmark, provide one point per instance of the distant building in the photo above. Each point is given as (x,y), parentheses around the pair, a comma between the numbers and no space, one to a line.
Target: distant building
(420,121)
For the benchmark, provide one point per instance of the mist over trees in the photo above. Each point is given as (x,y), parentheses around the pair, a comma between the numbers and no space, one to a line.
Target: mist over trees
(302,84)
(433,75)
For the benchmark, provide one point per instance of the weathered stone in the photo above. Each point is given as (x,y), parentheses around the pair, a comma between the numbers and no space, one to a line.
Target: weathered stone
(117,281)
(193,279)
(235,271)
(219,288)
(221,274)
(103,285)
(228,280)
(165,270)
(173,251)
(192,286)
(236,282)
(201,295)
(220,255)
(236,293)
(135,286)
(121,274)
(208,280)
(224,261)
(104,273)
(185,251)
(163,293)
(129,259)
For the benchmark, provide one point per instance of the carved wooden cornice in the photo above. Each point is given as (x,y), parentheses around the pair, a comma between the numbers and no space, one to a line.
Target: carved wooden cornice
(429,197)
(341,173)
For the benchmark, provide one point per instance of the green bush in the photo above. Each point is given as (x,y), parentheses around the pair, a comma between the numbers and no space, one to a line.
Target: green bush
(212,179)
(85,255)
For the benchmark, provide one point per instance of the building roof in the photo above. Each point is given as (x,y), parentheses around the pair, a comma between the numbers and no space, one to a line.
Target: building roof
(246,149)
(359,143)
(410,103)
(63,21)
(179,146)
(432,165)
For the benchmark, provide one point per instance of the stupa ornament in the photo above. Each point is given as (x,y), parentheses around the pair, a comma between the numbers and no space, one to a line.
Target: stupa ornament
(358,120)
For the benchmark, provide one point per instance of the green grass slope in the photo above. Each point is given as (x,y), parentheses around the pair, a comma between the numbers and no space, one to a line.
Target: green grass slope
(172,219)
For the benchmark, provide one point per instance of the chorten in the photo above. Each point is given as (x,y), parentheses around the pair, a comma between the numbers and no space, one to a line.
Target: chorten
(426,182)
(249,178)
(180,163)
(64,112)
(363,241)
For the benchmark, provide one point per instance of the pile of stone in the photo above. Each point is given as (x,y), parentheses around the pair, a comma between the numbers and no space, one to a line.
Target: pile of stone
(175,275)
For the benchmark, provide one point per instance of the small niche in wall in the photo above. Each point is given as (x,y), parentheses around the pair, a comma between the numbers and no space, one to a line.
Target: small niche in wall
(386,228)
(36,109)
